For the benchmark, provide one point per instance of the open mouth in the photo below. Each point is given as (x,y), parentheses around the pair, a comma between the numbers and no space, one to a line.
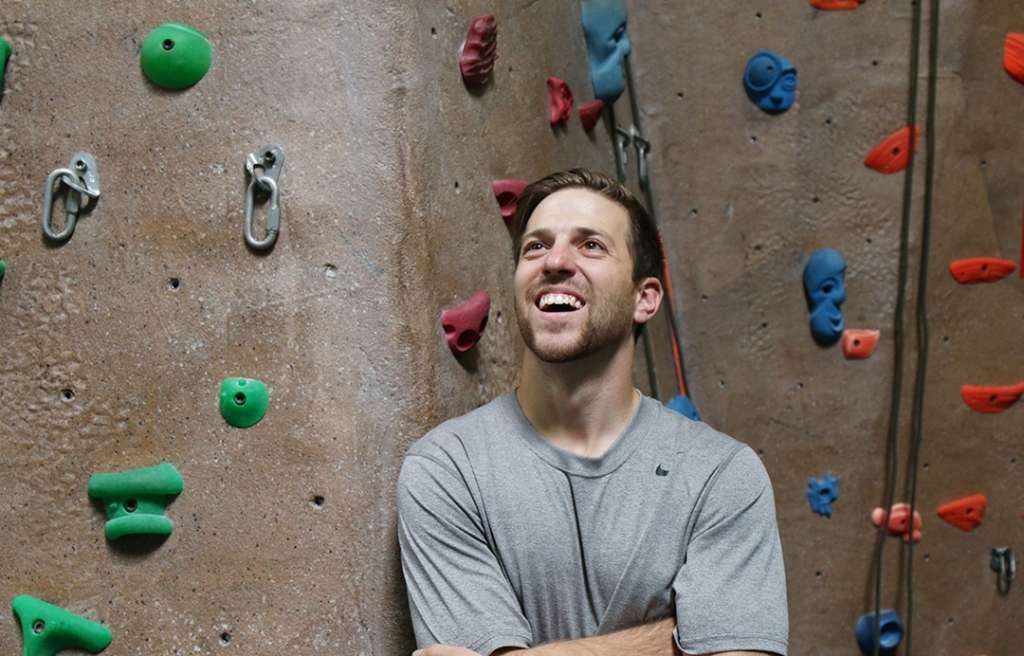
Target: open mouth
(559,302)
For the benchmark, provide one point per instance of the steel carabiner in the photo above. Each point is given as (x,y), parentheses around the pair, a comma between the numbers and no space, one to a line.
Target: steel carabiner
(1004,565)
(264,169)
(81,178)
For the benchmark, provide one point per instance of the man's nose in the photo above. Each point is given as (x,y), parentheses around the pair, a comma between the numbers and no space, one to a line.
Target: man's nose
(559,258)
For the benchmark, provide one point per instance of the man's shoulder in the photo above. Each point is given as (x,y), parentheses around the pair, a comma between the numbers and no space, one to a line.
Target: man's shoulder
(694,438)
(449,439)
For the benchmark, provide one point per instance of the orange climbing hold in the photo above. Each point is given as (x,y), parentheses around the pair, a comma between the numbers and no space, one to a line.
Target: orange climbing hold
(859,343)
(899,521)
(980,269)
(1013,55)
(836,4)
(893,153)
(590,114)
(966,514)
(559,100)
(991,398)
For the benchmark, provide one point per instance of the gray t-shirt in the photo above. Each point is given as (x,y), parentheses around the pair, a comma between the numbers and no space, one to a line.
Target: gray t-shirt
(508,540)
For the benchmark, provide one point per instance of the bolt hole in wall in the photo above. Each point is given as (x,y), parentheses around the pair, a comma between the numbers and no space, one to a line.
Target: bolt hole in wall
(174,283)
(225,637)
(67,393)
(318,501)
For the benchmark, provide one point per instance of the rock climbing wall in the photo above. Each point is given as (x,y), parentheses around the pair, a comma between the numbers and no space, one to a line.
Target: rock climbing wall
(745,197)
(115,343)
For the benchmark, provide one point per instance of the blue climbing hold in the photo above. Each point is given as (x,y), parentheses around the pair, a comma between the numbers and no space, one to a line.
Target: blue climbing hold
(824,285)
(823,493)
(770,81)
(890,633)
(604,26)
(684,406)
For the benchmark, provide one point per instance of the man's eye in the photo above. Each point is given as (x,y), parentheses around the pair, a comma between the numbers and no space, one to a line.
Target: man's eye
(530,246)
(591,245)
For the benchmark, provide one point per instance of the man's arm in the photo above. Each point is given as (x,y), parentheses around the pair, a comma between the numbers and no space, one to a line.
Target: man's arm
(654,639)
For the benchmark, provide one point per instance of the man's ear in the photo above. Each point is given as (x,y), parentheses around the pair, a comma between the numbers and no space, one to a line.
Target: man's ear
(648,299)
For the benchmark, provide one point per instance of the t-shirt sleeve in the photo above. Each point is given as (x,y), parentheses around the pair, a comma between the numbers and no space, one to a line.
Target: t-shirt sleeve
(730,593)
(458,593)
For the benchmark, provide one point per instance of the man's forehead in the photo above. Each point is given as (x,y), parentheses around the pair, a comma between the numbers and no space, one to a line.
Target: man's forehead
(577,209)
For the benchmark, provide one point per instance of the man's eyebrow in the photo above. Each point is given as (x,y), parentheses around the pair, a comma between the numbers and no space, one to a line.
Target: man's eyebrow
(577,231)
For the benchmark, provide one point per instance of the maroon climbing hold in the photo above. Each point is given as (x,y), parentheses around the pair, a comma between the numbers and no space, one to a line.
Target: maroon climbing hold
(893,153)
(899,521)
(559,100)
(836,4)
(966,514)
(1013,55)
(980,269)
(479,50)
(991,398)
(507,192)
(590,113)
(464,324)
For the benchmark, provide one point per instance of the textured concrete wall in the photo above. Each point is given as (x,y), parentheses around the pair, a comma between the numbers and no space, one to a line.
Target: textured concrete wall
(387,218)
(106,364)
(745,198)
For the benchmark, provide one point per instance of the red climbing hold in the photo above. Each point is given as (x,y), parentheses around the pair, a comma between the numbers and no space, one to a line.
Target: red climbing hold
(590,113)
(479,50)
(507,192)
(1013,56)
(966,514)
(464,324)
(859,343)
(836,4)
(893,153)
(899,521)
(559,100)
(990,398)
(980,269)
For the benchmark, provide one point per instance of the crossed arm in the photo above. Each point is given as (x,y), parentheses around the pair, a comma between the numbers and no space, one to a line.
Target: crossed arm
(654,639)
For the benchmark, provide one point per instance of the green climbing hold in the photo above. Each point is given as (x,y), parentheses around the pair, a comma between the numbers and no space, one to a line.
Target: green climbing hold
(47,629)
(5,52)
(243,401)
(136,499)
(3,270)
(176,56)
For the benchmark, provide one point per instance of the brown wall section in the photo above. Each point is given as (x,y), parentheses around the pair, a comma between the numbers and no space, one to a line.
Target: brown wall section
(388,218)
(746,197)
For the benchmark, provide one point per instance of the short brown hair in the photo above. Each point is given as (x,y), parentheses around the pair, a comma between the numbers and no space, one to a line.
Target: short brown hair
(644,241)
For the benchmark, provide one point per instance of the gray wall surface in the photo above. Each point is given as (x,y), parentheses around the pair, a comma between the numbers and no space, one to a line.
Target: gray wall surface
(388,218)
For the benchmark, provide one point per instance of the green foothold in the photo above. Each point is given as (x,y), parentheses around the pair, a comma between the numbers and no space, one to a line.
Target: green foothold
(5,52)
(47,629)
(3,270)
(243,401)
(136,499)
(176,56)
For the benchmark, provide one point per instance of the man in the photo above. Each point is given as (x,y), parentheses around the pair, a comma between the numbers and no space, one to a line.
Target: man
(576,509)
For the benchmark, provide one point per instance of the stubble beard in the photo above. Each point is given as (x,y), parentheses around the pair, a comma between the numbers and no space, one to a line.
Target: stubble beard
(609,320)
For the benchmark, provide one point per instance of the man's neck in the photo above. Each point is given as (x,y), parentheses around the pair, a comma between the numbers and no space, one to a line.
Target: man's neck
(580,406)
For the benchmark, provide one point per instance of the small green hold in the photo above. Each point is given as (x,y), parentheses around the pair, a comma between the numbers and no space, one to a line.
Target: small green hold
(5,52)
(3,270)
(243,401)
(136,499)
(176,56)
(47,629)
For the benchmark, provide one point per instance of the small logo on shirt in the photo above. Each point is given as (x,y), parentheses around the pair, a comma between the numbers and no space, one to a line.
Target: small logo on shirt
(661,471)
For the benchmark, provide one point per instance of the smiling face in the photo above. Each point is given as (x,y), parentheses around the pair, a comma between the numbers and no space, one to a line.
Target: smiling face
(574,286)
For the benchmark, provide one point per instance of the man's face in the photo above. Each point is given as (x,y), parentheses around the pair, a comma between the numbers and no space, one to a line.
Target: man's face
(574,282)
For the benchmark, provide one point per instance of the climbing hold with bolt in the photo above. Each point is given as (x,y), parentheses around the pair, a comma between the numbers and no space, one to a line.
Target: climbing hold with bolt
(47,629)
(966,514)
(559,101)
(135,500)
(590,114)
(974,270)
(5,53)
(890,633)
(893,153)
(859,343)
(991,399)
(243,401)
(176,56)
(464,324)
(507,192)
(822,493)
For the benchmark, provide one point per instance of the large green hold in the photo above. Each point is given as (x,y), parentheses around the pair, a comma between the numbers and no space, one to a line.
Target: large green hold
(176,56)
(243,401)
(5,52)
(136,499)
(47,629)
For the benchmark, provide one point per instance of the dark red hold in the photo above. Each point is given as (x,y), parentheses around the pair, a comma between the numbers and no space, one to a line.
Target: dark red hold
(478,52)
(590,113)
(464,324)
(559,100)
(507,192)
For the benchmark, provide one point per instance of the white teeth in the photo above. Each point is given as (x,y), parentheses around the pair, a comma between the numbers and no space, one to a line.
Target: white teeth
(559,299)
